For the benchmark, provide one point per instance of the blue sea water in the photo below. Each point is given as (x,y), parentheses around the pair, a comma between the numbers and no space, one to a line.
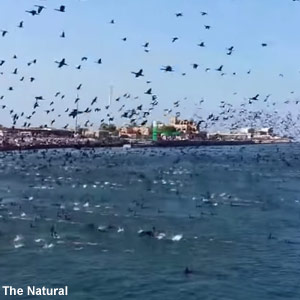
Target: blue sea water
(229,214)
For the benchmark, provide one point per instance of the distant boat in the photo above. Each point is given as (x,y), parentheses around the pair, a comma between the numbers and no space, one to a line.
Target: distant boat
(126,146)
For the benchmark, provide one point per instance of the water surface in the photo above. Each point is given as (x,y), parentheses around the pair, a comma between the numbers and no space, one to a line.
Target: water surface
(230,214)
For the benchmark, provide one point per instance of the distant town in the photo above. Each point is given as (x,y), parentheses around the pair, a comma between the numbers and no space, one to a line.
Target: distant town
(176,133)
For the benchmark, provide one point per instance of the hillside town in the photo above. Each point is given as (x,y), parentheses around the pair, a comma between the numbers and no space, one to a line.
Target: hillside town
(175,133)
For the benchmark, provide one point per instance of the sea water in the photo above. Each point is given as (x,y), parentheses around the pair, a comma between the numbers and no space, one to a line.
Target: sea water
(231,215)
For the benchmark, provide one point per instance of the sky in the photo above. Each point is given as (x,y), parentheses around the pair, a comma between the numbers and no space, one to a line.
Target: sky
(244,24)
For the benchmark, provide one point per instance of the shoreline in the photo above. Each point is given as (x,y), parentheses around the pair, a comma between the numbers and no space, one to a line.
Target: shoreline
(120,144)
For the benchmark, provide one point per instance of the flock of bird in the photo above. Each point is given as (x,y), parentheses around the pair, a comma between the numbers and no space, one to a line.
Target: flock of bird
(231,116)
(74,217)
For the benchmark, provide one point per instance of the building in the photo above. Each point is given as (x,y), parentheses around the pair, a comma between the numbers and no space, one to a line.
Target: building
(257,132)
(134,132)
(184,126)
(263,135)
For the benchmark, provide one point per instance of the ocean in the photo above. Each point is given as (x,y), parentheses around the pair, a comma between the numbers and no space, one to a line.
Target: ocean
(125,224)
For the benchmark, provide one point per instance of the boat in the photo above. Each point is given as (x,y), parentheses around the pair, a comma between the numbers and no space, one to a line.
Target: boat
(126,146)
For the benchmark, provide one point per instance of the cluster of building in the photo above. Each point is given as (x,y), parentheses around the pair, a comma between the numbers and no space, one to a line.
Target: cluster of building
(263,135)
(189,130)
(176,130)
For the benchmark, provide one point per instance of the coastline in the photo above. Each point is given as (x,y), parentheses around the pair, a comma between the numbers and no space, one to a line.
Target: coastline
(120,144)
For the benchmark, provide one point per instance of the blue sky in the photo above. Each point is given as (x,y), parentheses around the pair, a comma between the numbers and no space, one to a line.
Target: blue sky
(244,24)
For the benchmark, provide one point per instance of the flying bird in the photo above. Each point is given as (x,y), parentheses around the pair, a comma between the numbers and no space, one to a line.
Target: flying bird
(255,97)
(21,24)
(40,8)
(4,33)
(61,63)
(94,101)
(32,12)
(148,92)
(220,68)
(167,69)
(74,113)
(62,8)
(139,73)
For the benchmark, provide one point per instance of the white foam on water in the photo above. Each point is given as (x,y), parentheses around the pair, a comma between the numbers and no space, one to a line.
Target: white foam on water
(48,246)
(129,251)
(161,235)
(18,238)
(18,245)
(92,244)
(102,228)
(177,237)
(39,240)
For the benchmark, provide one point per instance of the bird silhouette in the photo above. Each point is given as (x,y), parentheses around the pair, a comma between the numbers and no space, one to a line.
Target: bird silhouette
(139,73)
(4,33)
(32,12)
(21,24)
(62,8)
(94,101)
(220,68)
(61,63)
(148,92)
(40,8)
(167,69)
